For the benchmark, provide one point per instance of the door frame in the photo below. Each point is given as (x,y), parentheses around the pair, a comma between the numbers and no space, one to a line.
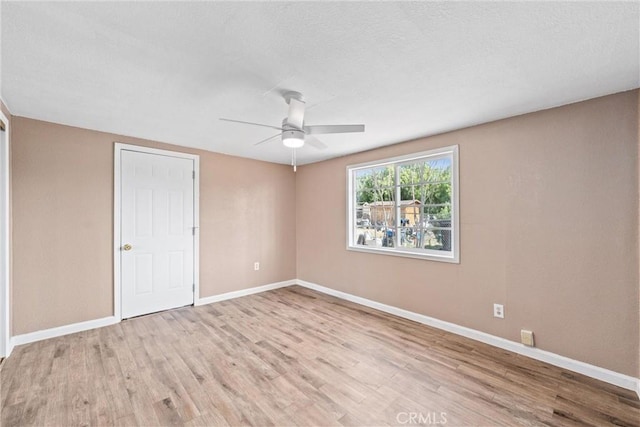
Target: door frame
(5,243)
(117,195)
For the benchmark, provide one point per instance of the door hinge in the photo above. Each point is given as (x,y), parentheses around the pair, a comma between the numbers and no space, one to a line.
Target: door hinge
(194,287)
(193,231)
(193,174)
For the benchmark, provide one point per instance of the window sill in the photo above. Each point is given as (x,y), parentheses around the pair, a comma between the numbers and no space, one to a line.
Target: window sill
(450,258)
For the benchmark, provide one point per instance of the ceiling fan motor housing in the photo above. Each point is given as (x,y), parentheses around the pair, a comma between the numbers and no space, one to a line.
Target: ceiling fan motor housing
(293,138)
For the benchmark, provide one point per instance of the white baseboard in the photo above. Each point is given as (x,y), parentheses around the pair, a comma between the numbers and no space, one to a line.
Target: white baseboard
(245,292)
(602,374)
(62,330)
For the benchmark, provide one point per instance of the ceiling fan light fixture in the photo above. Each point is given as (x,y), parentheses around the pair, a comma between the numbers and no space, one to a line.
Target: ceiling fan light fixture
(293,138)
(295,134)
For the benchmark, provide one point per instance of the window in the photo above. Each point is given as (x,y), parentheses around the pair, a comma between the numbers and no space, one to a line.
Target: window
(406,206)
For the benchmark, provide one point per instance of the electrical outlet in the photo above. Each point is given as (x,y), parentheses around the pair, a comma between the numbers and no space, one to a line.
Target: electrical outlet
(498,311)
(256,266)
(526,338)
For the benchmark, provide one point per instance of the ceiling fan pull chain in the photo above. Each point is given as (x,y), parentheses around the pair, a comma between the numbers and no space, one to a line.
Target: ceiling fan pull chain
(293,159)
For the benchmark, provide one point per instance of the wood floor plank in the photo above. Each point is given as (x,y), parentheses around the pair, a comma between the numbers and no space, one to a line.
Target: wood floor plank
(292,356)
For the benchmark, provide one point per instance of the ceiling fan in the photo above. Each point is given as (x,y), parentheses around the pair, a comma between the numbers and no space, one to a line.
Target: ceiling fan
(294,132)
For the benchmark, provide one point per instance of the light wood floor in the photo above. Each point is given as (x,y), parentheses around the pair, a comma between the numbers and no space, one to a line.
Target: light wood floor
(292,357)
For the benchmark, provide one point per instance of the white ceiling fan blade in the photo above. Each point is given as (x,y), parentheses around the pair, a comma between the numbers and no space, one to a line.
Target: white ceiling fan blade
(315,142)
(267,139)
(296,113)
(320,129)
(250,123)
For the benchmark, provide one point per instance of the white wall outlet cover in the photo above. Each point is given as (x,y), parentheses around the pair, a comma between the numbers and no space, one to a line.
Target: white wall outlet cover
(498,311)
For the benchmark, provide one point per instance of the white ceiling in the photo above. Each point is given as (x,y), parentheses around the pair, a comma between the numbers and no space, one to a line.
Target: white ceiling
(168,70)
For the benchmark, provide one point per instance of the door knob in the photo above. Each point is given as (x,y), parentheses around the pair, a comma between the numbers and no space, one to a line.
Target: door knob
(127,247)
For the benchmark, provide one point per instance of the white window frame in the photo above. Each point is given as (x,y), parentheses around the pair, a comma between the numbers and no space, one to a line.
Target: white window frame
(452,256)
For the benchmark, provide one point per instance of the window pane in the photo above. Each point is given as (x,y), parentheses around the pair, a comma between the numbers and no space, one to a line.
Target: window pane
(411,192)
(362,218)
(411,173)
(362,198)
(363,180)
(375,184)
(426,171)
(372,237)
(375,207)
(409,238)
(436,200)
(410,211)
(382,209)
(439,240)
(436,171)
(384,177)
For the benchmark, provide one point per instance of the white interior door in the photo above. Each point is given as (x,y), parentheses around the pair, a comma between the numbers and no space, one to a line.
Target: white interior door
(157,232)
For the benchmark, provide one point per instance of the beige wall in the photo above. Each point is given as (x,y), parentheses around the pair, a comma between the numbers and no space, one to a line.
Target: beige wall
(63,216)
(549,227)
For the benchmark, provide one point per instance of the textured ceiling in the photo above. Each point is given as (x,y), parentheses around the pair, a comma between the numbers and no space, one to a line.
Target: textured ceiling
(168,70)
